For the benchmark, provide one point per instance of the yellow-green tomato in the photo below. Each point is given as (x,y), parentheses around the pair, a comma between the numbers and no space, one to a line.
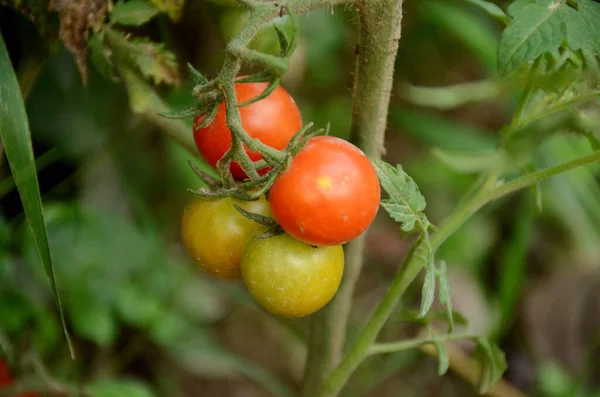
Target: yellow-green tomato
(214,233)
(291,278)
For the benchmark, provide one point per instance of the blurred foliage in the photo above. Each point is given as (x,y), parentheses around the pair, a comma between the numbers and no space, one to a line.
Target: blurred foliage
(146,322)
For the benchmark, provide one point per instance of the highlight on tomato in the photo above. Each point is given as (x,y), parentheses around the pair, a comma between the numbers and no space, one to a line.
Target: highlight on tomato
(329,195)
(291,278)
(272,120)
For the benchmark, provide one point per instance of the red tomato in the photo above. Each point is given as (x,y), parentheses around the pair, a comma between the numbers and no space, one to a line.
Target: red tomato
(273,120)
(329,195)
(6,379)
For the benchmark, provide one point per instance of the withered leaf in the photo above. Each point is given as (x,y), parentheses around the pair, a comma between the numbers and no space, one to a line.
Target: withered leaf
(76,19)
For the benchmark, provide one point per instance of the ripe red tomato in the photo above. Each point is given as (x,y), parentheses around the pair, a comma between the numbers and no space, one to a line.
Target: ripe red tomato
(214,233)
(290,278)
(6,379)
(329,195)
(273,120)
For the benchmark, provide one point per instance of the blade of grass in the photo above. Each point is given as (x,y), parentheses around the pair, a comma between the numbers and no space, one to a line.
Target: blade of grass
(16,139)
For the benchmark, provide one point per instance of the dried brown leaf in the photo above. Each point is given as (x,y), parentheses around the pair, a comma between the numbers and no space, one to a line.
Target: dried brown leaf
(76,19)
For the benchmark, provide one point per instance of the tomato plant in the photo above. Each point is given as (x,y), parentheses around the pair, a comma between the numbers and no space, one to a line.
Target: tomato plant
(329,195)
(291,278)
(273,120)
(214,233)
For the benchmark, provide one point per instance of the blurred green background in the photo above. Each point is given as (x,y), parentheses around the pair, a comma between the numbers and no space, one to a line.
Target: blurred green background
(146,322)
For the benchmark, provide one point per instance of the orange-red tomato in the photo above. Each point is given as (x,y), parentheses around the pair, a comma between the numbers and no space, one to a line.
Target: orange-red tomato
(329,195)
(273,120)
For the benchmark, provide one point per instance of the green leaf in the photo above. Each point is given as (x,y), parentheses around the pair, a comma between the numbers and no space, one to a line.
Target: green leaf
(444,293)
(16,139)
(468,162)
(584,31)
(119,388)
(100,56)
(538,26)
(469,28)
(171,7)
(493,364)
(93,321)
(437,131)
(136,307)
(133,12)
(513,263)
(443,362)
(428,291)
(151,59)
(406,203)
(492,9)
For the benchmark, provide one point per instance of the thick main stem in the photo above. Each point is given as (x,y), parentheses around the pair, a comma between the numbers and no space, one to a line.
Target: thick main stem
(376,53)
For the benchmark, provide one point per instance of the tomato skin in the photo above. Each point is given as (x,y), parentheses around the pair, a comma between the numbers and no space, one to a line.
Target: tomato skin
(290,278)
(329,195)
(273,120)
(214,233)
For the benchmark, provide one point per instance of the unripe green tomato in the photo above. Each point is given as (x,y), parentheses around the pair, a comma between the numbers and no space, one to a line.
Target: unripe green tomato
(214,233)
(290,278)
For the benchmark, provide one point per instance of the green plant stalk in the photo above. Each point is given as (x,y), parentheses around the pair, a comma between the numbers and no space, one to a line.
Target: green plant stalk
(380,348)
(411,266)
(379,34)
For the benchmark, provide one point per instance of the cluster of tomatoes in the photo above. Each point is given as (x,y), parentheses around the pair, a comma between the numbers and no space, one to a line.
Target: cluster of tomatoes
(328,196)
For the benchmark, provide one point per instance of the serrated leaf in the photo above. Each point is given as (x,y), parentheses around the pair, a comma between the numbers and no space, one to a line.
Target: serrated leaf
(444,293)
(406,203)
(492,362)
(151,59)
(76,19)
(443,362)
(584,30)
(133,12)
(16,140)
(537,27)
(428,290)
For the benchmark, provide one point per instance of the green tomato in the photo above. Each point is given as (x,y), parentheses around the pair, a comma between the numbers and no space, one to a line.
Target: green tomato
(214,233)
(290,278)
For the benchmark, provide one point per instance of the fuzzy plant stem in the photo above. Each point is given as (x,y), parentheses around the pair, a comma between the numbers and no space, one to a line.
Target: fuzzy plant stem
(376,52)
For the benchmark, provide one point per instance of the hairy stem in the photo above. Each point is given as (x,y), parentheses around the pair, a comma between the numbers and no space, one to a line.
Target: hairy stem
(376,52)
(380,348)
(413,264)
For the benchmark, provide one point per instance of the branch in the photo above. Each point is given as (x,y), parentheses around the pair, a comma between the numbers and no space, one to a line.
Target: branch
(412,264)
(380,348)
(469,369)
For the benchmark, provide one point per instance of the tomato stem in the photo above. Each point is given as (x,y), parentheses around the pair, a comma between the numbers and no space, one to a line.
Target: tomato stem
(379,34)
